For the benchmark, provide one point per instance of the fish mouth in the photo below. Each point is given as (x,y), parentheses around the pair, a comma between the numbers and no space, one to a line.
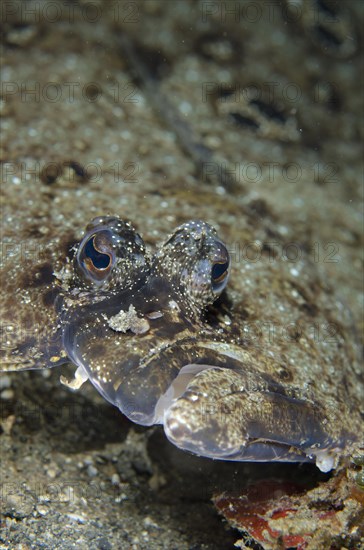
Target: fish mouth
(176,390)
(195,424)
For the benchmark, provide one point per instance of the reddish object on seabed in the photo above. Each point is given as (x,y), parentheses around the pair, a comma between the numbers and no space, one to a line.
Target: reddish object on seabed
(257,509)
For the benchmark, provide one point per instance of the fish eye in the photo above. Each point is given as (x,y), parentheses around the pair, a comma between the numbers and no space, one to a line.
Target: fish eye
(96,256)
(196,261)
(219,275)
(219,272)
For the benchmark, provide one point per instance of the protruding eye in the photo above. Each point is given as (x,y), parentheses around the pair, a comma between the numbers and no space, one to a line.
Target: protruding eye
(196,263)
(219,274)
(220,269)
(96,256)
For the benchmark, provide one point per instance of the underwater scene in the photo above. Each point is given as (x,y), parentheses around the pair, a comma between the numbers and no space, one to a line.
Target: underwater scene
(181,275)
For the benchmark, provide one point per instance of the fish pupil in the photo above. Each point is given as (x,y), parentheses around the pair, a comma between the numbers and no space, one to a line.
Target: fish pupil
(99,260)
(218,271)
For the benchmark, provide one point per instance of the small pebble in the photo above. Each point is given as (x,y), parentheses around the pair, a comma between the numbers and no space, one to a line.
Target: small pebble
(77,517)
(46,373)
(148,522)
(42,510)
(92,471)
(5,382)
(7,394)
(115,479)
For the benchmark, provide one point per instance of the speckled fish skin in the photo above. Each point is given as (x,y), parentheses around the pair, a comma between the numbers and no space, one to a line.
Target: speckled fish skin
(137,328)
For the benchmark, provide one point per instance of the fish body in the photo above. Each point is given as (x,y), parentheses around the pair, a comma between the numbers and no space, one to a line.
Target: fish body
(158,338)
